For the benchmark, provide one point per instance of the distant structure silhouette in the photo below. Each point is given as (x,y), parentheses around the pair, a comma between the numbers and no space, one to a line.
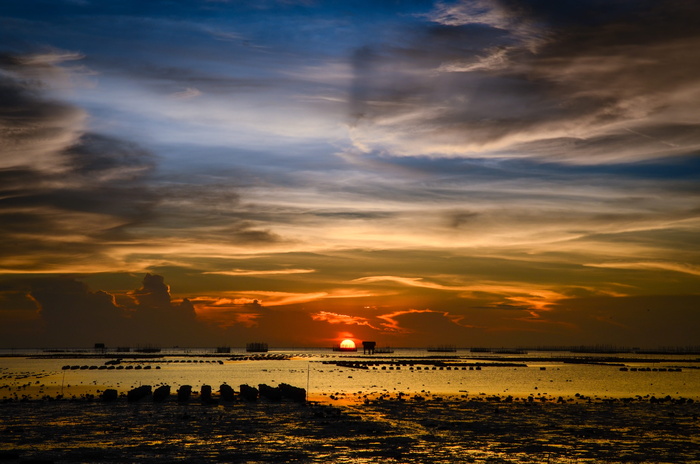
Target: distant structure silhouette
(442,349)
(256,347)
(368,347)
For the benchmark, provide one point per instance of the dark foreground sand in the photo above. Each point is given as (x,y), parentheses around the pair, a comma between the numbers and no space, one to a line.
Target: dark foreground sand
(383,431)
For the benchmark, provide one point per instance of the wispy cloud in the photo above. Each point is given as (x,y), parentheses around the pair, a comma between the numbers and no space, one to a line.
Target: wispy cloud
(188,93)
(250,272)
(685,268)
(546,79)
(334,318)
(530,297)
(391,321)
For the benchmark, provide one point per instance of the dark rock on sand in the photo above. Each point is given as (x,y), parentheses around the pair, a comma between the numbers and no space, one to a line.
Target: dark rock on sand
(205,395)
(110,395)
(249,393)
(161,393)
(138,393)
(292,393)
(270,393)
(184,393)
(226,392)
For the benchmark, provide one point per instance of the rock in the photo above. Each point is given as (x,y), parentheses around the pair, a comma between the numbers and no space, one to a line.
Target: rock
(249,393)
(161,393)
(184,393)
(290,392)
(110,395)
(270,393)
(138,393)
(226,392)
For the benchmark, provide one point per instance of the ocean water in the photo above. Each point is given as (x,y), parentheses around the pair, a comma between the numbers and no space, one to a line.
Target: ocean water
(325,373)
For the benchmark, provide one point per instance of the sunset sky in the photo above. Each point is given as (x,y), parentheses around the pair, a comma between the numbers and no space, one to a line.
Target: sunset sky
(477,172)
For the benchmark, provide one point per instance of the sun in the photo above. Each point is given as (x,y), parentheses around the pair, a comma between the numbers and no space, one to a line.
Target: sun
(347,344)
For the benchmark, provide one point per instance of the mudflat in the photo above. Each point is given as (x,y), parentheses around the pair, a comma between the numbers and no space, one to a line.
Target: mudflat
(382,429)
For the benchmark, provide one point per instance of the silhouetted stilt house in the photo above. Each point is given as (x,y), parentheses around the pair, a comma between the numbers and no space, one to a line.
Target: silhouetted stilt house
(368,347)
(256,347)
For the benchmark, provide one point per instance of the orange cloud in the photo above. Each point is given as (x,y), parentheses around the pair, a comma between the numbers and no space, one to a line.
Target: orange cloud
(227,312)
(391,322)
(268,299)
(247,272)
(410,281)
(334,318)
(527,296)
(685,268)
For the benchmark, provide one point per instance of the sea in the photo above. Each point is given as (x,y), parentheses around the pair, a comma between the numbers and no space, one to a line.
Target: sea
(325,373)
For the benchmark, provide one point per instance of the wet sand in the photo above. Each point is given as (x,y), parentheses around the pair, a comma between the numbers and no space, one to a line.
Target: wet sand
(376,429)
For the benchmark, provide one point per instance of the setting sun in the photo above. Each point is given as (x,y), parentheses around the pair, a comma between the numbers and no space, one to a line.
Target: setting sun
(347,344)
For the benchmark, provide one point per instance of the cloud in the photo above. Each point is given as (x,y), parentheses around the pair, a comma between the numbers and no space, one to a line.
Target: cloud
(533,298)
(685,268)
(247,272)
(411,281)
(35,129)
(334,318)
(272,298)
(227,312)
(535,80)
(391,322)
(648,321)
(66,192)
(69,313)
(189,92)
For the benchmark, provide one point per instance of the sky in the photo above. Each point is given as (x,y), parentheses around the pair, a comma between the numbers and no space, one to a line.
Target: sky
(490,173)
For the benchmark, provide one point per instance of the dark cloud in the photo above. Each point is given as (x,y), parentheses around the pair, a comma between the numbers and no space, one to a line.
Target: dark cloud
(154,293)
(33,126)
(58,180)
(158,318)
(651,320)
(71,314)
(357,215)
(612,80)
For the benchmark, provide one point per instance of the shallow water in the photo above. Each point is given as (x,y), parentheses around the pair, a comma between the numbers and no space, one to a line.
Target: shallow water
(410,371)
